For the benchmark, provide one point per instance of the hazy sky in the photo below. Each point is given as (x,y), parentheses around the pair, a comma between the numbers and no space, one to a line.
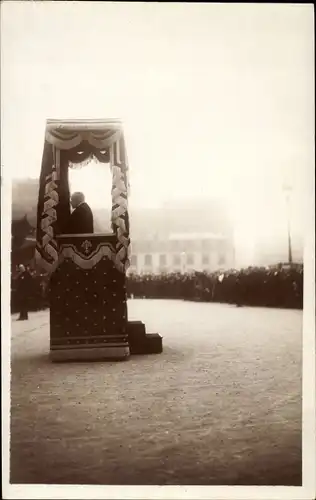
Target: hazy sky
(216,99)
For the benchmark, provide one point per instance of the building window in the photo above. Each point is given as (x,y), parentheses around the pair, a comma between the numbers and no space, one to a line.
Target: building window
(221,259)
(148,260)
(190,259)
(177,260)
(134,260)
(163,260)
(205,259)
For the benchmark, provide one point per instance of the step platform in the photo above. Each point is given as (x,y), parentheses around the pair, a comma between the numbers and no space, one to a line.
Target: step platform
(141,342)
(153,343)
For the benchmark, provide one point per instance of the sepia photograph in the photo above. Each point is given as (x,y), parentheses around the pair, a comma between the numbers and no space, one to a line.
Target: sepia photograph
(158,275)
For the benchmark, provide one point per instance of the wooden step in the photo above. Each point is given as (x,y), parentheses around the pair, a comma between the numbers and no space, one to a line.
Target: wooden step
(150,344)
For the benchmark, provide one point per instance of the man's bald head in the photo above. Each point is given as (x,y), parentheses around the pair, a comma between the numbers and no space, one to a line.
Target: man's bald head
(76,199)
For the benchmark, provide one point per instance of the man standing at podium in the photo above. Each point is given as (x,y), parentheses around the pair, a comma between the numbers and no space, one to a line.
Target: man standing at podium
(81,219)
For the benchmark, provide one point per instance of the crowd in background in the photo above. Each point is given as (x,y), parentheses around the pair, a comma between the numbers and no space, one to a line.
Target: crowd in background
(278,286)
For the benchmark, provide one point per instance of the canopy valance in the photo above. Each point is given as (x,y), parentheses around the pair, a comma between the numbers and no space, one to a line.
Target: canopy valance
(69,134)
(71,142)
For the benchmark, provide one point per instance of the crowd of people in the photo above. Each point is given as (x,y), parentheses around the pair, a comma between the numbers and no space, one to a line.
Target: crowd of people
(278,286)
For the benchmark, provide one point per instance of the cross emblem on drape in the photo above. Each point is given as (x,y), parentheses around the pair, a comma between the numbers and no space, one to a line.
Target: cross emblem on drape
(86,245)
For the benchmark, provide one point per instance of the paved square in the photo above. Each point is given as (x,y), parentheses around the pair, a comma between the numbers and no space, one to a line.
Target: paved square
(221,405)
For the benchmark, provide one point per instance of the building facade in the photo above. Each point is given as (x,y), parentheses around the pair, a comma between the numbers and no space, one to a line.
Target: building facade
(182,253)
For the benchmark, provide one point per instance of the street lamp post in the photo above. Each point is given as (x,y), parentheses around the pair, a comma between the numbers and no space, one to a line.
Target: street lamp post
(287,190)
(183,259)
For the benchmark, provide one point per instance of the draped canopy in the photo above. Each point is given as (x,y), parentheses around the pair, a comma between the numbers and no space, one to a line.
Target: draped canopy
(71,142)
(100,134)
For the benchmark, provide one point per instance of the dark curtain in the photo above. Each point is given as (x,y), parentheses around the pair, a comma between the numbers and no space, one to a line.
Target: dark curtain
(85,151)
(123,162)
(63,209)
(46,170)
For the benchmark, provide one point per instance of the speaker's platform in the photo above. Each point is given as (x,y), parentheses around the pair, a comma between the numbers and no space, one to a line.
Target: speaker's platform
(141,342)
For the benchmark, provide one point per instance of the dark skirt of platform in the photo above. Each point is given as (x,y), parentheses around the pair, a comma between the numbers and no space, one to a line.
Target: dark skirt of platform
(88,313)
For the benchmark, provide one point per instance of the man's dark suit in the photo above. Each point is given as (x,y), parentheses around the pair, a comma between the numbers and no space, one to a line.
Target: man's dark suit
(81,220)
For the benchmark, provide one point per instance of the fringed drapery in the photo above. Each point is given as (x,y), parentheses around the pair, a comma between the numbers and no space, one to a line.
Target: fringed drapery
(48,200)
(68,251)
(84,153)
(68,135)
(70,143)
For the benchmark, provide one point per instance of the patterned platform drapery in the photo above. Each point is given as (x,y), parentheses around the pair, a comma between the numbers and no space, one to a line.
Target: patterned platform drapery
(88,308)
(86,251)
(68,142)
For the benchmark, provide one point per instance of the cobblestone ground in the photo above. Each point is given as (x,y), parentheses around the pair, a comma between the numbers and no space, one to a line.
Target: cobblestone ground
(221,405)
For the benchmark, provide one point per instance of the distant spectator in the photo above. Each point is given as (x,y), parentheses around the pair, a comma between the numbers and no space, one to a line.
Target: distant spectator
(24,282)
